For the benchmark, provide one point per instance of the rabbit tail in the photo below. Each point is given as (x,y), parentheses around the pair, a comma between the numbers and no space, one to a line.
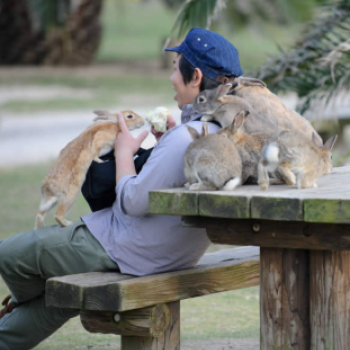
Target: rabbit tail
(268,163)
(272,156)
(232,184)
(45,205)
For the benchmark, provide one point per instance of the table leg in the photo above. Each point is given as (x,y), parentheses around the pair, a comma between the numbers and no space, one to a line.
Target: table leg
(284,299)
(330,300)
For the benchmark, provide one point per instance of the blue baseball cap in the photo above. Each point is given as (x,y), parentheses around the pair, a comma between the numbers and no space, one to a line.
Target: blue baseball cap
(210,52)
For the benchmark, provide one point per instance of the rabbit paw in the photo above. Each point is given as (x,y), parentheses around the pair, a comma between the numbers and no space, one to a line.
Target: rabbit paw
(194,187)
(98,160)
(206,118)
(315,185)
(264,186)
(187,185)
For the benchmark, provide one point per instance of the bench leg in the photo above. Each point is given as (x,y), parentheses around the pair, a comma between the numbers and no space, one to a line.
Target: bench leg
(170,340)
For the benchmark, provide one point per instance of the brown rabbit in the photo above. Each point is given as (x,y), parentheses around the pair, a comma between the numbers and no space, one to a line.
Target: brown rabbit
(65,178)
(215,105)
(248,145)
(211,162)
(255,92)
(297,159)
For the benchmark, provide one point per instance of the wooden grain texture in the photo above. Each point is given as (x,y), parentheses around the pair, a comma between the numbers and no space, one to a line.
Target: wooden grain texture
(281,209)
(148,322)
(328,203)
(223,206)
(330,300)
(69,290)
(332,210)
(284,299)
(216,272)
(169,340)
(279,234)
(173,202)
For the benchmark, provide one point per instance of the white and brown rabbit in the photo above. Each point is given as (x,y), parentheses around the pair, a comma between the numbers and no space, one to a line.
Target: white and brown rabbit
(249,146)
(65,178)
(211,162)
(214,105)
(296,159)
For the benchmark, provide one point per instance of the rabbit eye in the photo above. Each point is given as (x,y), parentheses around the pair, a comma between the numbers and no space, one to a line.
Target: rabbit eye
(201,99)
(129,116)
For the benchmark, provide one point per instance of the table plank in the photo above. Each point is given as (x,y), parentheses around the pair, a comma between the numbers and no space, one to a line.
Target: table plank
(328,203)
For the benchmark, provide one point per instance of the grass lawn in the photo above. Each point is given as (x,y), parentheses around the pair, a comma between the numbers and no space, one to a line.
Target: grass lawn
(232,314)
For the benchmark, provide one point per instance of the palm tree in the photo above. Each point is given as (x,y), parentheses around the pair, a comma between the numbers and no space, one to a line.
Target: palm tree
(317,67)
(49,32)
(201,13)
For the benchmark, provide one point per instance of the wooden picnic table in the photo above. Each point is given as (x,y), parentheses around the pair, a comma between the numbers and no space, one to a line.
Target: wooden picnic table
(304,237)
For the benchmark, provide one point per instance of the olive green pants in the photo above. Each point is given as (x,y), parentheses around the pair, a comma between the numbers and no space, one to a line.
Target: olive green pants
(27,260)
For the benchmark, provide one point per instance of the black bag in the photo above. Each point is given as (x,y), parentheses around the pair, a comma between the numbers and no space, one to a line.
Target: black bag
(99,186)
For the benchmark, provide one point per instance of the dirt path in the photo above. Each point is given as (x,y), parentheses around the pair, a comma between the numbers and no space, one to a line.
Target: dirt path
(221,344)
(39,137)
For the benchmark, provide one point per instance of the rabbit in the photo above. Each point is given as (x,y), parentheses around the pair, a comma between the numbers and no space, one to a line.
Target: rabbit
(214,104)
(65,178)
(269,105)
(211,162)
(248,145)
(298,160)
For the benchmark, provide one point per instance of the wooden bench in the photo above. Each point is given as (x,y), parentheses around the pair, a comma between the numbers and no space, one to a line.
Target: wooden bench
(145,311)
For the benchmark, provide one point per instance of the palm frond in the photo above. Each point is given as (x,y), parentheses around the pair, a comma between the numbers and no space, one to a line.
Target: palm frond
(317,67)
(49,13)
(197,13)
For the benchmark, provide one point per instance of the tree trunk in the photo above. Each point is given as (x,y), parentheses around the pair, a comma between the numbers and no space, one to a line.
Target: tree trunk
(74,43)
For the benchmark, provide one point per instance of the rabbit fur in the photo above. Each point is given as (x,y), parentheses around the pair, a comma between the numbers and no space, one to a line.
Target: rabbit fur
(65,178)
(255,92)
(297,159)
(249,146)
(211,162)
(213,104)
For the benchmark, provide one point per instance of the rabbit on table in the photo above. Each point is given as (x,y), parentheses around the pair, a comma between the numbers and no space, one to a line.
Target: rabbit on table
(269,105)
(211,162)
(65,178)
(297,159)
(215,105)
(248,145)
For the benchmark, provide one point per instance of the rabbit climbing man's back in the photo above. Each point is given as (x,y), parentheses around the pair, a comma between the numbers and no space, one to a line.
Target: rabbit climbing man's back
(65,178)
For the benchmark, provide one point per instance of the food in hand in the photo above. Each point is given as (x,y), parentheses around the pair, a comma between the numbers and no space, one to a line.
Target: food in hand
(158,118)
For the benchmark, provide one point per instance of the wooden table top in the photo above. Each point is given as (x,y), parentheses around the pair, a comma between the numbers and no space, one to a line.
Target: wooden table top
(328,203)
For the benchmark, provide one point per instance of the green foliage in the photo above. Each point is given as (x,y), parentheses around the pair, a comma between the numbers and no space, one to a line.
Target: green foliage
(239,13)
(49,13)
(197,13)
(317,67)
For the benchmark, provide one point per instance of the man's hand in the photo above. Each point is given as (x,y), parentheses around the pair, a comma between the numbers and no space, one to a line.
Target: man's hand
(125,148)
(170,124)
(125,142)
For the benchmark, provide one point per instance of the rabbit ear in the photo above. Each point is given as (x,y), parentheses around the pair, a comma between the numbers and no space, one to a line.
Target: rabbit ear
(316,140)
(239,119)
(205,129)
(328,145)
(101,112)
(225,89)
(193,132)
(251,82)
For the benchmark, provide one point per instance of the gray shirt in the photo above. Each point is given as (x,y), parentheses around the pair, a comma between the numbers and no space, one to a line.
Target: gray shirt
(141,243)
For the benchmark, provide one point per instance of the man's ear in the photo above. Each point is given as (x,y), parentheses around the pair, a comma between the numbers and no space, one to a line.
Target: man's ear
(197,77)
